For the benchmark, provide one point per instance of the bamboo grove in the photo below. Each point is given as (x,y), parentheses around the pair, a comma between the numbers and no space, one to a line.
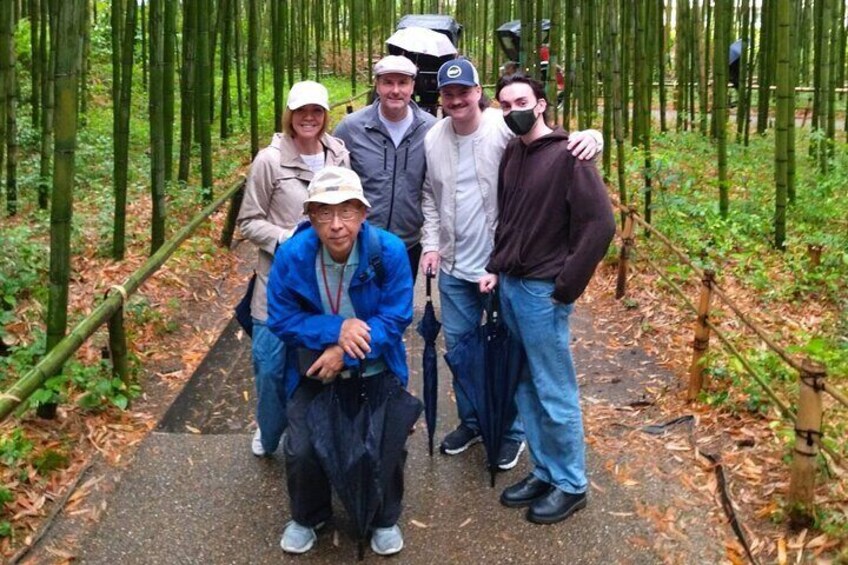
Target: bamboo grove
(631,68)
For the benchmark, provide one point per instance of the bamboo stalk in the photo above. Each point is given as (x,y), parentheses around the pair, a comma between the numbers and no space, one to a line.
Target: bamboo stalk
(118,345)
(807,427)
(63,350)
(626,245)
(838,396)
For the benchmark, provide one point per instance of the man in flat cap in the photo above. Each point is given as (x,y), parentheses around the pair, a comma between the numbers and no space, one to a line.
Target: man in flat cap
(386,144)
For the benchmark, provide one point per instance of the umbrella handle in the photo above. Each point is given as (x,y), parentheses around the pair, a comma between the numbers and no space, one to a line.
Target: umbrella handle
(430,276)
(492,306)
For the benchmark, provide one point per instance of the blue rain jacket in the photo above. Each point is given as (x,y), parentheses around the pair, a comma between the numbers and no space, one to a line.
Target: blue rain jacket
(383,300)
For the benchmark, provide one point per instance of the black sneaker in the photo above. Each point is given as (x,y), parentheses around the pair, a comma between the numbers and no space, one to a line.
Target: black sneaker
(459,440)
(509,454)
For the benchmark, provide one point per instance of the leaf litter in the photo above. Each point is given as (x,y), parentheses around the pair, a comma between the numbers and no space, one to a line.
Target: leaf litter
(199,280)
(752,447)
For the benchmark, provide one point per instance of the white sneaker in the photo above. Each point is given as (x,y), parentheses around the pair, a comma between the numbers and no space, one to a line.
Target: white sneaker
(297,538)
(256,444)
(387,541)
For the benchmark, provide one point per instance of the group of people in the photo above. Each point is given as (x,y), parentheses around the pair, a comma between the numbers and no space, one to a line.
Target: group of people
(484,199)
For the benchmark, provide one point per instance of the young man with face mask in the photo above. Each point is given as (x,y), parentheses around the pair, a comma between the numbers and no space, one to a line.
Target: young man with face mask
(554,226)
(463,153)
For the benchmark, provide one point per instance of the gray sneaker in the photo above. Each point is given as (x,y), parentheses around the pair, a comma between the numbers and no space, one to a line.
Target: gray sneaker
(297,538)
(387,541)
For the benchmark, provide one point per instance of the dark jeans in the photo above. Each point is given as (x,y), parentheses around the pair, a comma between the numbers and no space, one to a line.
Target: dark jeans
(308,485)
(414,254)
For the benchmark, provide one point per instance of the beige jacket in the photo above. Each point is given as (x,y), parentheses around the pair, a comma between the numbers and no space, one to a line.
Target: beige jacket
(273,202)
(439,194)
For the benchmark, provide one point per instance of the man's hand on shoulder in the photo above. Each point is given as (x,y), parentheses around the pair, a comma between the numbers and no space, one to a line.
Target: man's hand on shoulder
(585,144)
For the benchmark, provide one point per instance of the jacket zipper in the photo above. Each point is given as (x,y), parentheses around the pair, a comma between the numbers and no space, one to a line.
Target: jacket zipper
(392,201)
(385,154)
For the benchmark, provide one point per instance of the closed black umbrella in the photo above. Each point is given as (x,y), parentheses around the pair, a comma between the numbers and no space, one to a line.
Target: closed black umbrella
(487,363)
(358,428)
(429,328)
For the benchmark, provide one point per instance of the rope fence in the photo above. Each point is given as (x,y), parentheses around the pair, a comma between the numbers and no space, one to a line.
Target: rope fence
(808,417)
(110,311)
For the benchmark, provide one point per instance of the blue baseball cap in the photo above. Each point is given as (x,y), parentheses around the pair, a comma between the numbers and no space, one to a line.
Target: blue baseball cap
(458,71)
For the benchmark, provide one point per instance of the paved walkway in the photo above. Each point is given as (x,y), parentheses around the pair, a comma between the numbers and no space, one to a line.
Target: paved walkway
(192,497)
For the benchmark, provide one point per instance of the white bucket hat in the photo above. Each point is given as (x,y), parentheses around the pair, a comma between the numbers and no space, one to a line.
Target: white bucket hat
(334,185)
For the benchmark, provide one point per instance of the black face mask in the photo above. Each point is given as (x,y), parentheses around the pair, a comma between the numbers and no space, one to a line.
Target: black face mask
(521,121)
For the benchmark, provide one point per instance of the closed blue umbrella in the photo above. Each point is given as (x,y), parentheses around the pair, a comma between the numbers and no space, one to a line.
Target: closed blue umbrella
(734,59)
(735,51)
(429,328)
(487,363)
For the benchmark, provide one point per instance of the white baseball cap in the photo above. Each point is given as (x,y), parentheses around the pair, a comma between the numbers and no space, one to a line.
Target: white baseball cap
(308,92)
(395,64)
(334,185)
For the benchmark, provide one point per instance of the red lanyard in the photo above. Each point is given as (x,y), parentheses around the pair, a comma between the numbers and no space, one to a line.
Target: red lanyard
(334,308)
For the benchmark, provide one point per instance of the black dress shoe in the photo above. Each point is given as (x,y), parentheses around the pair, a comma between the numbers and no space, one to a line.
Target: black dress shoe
(555,507)
(525,491)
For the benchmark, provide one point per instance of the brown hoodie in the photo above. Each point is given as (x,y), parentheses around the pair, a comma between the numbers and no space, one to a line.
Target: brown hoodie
(555,219)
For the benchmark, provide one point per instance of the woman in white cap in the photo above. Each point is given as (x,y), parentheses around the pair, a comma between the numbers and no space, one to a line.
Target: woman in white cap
(271,209)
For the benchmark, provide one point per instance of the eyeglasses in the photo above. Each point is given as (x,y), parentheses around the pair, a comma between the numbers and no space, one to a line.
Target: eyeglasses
(326,215)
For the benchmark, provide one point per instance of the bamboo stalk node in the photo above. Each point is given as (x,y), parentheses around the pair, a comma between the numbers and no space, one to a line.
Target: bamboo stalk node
(121,290)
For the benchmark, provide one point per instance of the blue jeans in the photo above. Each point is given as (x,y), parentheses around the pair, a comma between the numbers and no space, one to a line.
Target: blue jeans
(462,306)
(547,396)
(269,362)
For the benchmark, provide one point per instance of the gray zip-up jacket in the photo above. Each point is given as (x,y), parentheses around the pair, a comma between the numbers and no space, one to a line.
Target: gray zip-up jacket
(392,177)
(273,203)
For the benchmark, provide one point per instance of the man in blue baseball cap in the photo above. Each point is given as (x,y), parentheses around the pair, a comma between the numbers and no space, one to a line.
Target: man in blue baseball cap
(463,154)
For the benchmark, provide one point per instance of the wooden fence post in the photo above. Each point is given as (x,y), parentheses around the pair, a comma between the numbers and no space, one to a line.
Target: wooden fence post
(702,336)
(808,422)
(814,253)
(118,345)
(624,255)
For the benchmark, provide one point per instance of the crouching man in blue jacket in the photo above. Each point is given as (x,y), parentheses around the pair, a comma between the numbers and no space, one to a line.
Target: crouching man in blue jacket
(343,289)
